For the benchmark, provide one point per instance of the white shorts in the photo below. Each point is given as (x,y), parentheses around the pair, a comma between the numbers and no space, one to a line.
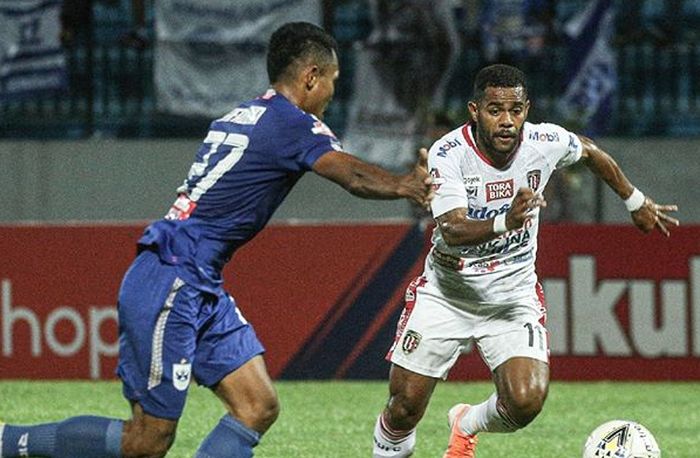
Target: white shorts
(434,331)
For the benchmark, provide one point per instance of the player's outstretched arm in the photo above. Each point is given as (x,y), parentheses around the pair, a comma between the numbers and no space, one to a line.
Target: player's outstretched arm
(645,213)
(372,182)
(457,229)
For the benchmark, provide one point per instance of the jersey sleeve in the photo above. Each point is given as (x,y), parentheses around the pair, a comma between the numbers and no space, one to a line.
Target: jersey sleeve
(314,138)
(448,183)
(562,147)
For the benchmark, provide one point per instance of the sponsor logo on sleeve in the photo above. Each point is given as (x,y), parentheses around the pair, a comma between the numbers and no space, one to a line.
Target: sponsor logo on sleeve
(448,145)
(320,128)
(499,190)
(573,143)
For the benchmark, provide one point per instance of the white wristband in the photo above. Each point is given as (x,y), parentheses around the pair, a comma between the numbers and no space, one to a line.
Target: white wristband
(499,224)
(635,201)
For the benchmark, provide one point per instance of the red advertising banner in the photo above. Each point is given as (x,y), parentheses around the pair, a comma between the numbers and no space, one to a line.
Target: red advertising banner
(324,299)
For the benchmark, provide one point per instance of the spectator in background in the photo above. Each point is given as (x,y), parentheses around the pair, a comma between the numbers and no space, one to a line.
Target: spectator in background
(515,31)
(137,37)
(76,17)
(419,47)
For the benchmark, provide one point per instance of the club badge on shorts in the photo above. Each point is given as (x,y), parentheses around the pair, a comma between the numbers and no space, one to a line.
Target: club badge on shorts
(181,375)
(410,341)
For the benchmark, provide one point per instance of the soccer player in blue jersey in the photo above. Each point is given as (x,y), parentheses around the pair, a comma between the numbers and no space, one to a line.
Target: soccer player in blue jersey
(176,322)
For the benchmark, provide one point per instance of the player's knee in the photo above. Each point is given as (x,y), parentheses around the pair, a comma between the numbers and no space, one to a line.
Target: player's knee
(404,412)
(524,403)
(146,443)
(268,411)
(260,413)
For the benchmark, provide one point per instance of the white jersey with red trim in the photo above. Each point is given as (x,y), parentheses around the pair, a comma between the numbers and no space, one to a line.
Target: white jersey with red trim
(501,270)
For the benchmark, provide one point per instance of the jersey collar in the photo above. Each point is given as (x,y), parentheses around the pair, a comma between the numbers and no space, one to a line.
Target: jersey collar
(468,133)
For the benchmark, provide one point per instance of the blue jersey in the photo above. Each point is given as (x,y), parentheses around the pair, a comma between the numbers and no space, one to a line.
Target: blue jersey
(247,164)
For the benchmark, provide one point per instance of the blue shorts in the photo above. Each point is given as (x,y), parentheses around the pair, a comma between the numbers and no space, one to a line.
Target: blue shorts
(170,332)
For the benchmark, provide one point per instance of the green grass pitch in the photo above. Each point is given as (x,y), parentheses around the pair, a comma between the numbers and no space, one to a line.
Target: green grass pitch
(335,419)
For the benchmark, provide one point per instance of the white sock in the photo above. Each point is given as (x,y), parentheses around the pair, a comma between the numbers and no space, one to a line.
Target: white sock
(485,417)
(392,443)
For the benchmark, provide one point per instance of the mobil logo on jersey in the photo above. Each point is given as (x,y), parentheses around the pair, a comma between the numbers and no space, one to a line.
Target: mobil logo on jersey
(543,136)
(448,145)
(499,190)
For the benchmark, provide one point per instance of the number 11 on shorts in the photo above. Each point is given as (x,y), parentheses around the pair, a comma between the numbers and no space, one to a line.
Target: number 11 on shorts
(535,331)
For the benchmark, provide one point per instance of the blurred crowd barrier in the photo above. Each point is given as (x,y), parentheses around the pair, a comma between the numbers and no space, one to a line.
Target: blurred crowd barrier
(607,68)
(426,50)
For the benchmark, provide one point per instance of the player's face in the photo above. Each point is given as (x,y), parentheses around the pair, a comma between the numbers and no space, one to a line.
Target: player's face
(322,92)
(499,117)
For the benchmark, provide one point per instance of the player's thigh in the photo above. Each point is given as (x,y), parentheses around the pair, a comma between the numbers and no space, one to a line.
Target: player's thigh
(226,341)
(432,334)
(514,331)
(228,360)
(249,395)
(157,312)
(519,376)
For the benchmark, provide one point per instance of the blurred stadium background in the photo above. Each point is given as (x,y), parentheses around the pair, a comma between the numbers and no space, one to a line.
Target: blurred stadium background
(103,104)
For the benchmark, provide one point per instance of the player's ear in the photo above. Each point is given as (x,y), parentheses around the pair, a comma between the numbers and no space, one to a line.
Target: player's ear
(473,108)
(311,75)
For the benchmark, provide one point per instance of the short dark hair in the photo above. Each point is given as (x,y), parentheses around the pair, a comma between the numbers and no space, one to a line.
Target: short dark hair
(295,41)
(498,75)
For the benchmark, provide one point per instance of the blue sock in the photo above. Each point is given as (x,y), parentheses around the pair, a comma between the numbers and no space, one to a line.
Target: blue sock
(228,439)
(86,437)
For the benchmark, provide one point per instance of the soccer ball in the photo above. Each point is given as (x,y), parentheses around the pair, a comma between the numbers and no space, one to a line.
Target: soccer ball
(621,439)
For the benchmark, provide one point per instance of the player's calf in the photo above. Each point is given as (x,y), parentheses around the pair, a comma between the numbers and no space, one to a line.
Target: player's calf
(84,436)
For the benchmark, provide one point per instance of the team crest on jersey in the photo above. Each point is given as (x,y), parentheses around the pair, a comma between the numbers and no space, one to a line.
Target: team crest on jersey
(472,183)
(499,190)
(437,180)
(410,341)
(534,177)
(181,375)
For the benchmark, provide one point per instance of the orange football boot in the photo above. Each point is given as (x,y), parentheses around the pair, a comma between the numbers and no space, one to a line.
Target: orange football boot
(461,445)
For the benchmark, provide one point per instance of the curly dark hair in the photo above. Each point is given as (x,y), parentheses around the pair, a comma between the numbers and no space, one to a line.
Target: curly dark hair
(294,42)
(498,75)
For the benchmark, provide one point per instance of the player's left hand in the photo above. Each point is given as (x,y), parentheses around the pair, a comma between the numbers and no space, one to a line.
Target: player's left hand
(652,215)
(420,174)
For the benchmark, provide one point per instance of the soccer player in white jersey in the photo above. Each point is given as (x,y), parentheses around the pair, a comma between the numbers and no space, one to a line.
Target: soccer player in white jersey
(479,284)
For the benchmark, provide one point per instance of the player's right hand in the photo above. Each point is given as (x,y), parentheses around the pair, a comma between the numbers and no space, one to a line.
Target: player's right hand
(522,208)
(419,184)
